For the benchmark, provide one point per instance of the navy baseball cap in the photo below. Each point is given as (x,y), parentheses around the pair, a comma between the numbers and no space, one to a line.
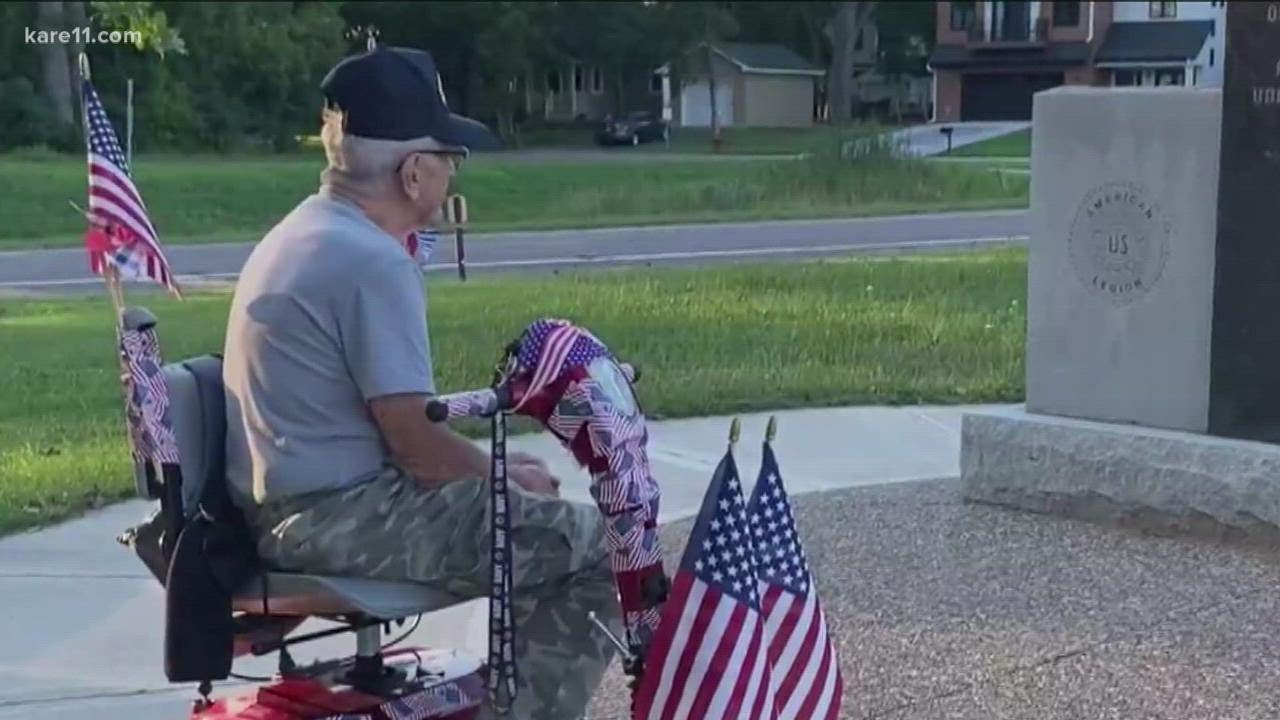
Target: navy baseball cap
(395,93)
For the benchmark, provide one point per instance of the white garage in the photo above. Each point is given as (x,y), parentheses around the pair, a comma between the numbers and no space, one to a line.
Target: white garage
(757,85)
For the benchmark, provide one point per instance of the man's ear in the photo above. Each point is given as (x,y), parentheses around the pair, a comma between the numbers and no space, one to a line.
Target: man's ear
(411,177)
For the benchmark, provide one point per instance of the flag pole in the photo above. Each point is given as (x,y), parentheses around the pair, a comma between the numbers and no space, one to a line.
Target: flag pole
(735,432)
(128,124)
(771,431)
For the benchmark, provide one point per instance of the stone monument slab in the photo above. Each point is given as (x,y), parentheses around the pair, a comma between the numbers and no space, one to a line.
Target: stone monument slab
(1120,276)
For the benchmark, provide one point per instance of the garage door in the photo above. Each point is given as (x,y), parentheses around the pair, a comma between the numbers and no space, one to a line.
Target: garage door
(695,104)
(1002,97)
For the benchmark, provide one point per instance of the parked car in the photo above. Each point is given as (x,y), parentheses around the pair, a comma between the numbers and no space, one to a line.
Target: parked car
(632,129)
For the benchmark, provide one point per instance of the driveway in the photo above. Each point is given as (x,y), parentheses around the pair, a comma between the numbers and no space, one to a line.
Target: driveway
(928,139)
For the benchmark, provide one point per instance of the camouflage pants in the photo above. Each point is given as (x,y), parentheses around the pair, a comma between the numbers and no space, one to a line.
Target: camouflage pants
(394,529)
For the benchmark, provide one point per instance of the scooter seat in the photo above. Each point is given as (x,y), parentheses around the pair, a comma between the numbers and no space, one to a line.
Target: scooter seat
(296,594)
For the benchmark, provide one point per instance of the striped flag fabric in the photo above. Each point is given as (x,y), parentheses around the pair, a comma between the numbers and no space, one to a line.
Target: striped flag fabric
(420,245)
(441,701)
(806,669)
(709,655)
(147,398)
(120,232)
(549,347)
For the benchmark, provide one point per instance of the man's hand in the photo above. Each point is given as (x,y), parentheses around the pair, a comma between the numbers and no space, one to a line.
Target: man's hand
(532,474)
(523,458)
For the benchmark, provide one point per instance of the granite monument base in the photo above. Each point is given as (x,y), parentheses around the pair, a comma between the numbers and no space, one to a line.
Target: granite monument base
(1163,481)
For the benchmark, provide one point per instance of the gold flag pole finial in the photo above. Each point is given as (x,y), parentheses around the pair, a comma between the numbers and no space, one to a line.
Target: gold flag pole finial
(735,432)
(84,66)
(771,431)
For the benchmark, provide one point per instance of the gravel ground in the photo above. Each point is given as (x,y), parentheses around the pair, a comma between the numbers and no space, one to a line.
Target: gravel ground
(944,609)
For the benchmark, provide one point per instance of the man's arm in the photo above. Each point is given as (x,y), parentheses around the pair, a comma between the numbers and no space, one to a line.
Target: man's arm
(384,339)
(429,451)
(436,455)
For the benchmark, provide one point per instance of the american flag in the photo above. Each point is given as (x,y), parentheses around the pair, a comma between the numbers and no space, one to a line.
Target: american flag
(550,346)
(120,232)
(806,669)
(420,245)
(709,656)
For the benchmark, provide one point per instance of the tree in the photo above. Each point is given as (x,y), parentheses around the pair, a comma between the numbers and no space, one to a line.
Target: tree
(252,74)
(798,25)
(55,77)
(147,23)
(906,32)
(702,25)
(850,19)
(507,51)
(59,62)
(449,30)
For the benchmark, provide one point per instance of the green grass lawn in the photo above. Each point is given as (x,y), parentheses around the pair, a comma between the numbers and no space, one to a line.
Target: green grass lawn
(1016,144)
(235,199)
(923,329)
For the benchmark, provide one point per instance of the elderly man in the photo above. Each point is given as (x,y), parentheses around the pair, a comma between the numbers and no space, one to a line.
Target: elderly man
(328,369)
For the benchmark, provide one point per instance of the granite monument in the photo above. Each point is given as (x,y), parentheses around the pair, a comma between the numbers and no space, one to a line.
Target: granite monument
(1153,310)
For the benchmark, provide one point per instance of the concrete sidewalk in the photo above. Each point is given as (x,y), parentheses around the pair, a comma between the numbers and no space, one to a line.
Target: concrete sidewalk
(82,620)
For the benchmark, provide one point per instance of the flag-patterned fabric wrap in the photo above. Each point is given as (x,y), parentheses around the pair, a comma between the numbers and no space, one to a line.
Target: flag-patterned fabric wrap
(147,398)
(442,701)
(472,403)
(435,702)
(595,406)
(120,231)
(709,656)
(806,668)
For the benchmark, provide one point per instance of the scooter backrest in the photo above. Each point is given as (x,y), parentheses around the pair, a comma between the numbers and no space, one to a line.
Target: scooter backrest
(197,412)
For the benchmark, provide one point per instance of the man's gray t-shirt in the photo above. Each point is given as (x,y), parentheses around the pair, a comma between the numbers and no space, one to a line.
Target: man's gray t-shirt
(328,313)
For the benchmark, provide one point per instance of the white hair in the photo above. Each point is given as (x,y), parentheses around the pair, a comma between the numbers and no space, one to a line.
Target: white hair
(364,167)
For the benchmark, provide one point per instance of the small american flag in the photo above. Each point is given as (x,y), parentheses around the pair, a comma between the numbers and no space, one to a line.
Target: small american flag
(120,232)
(806,669)
(550,347)
(420,244)
(709,656)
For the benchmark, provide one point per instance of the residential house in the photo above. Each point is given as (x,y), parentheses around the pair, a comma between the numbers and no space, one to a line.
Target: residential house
(1164,43)
(579,92)
(757,85)
(992,57)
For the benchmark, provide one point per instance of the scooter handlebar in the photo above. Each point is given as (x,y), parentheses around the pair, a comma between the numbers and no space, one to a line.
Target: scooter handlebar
(472,403)
(486,402)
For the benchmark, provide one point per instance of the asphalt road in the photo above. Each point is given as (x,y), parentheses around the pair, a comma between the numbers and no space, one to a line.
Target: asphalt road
(65,271)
